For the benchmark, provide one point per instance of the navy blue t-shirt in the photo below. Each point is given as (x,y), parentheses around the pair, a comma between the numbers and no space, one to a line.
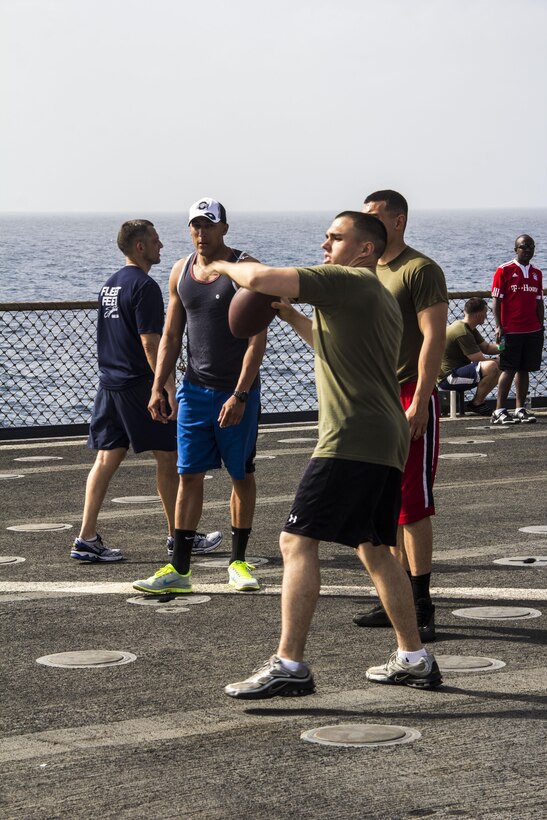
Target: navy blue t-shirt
(130,303)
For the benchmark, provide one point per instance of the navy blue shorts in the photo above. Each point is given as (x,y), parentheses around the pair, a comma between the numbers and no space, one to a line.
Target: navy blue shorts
(468,375)
(203,444)
(348,502)
(121,418)
(523,351)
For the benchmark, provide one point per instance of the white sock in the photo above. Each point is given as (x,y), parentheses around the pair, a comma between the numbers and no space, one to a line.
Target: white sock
(89,540)
(518,408)
(292,666)
(501,410)
(411,657)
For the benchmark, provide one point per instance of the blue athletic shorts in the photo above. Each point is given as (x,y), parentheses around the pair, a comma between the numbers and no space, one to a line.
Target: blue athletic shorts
(121,418)
(468,375)
(202,444)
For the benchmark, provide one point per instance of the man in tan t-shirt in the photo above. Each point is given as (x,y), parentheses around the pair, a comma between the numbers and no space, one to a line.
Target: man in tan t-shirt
(418,284)
(350,491)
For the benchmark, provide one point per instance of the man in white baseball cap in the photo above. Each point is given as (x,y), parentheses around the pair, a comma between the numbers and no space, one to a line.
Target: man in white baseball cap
(219,399)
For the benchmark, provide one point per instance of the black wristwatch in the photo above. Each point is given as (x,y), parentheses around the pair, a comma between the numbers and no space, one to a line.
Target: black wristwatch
(241,395)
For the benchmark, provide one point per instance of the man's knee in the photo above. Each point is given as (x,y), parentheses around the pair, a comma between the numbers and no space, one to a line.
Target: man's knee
(166,458)
(490,369)
(110,459)
(292,545)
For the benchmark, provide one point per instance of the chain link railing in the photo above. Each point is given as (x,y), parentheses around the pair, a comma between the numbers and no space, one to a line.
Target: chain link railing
(49,364)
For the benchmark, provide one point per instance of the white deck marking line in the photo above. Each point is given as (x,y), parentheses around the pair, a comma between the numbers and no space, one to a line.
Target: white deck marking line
(125,588)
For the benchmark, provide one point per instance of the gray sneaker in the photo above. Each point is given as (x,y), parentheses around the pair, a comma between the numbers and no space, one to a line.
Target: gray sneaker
(203,543)
(166,579)
(271,679)
(94,551)
(424,674)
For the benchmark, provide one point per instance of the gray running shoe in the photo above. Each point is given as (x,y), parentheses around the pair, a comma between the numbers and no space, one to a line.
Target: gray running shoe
(273,679)
(166,579)
(94,551)
(206,542)
(504,418)
(203,543)
(522,416)
(424,674)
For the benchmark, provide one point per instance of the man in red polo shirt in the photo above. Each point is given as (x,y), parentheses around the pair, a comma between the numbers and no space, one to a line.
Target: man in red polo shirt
(518,310)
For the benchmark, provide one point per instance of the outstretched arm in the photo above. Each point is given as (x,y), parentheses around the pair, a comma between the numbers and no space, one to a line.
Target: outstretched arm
(259,277)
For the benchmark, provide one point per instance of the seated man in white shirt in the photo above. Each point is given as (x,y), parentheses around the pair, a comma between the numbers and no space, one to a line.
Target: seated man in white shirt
(464,363)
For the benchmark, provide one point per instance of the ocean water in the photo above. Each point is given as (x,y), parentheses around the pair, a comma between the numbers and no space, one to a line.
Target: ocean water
(55,257)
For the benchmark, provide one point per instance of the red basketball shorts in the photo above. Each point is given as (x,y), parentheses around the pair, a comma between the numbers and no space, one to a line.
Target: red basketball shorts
(421,464)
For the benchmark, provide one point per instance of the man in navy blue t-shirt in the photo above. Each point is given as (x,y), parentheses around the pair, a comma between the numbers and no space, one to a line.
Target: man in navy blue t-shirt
(129,327)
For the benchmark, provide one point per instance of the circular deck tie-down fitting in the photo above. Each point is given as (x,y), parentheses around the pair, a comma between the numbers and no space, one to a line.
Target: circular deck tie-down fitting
(170,600)
(39,458)
(523,561)
(361,735)
(498,613)
(456,456)
(11,559)
(87,659)
(39,527)
(536,530)
(224,563)
(467,663)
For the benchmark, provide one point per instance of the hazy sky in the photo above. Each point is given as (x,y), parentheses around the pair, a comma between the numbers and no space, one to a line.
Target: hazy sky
(147,105)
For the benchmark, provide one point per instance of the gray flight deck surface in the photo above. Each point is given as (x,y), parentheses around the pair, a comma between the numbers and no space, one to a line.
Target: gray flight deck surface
(158,738)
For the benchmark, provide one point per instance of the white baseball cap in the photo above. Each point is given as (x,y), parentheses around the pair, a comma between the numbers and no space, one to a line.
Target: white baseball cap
(209,208)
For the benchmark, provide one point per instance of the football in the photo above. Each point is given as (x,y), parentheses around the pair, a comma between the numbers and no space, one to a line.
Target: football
(250,313)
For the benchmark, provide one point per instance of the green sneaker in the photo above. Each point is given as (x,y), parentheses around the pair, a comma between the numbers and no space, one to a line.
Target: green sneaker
(240,578)
(166,579)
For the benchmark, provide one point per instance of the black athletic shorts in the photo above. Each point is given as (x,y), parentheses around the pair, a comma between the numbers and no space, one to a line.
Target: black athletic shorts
(121,417)
(523,351)
(348,502)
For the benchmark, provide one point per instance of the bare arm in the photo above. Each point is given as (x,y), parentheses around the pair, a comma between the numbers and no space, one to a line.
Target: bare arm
(168,351)
(486,347)
(233,409)
(432,322)
(496,310)
(302,324)
(255,276)
(540,310)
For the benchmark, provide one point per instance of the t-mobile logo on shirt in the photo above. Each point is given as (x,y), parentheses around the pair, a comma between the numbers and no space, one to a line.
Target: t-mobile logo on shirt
(109,301)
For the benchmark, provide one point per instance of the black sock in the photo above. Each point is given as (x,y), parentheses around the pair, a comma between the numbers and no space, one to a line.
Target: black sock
(420,587)
(182,551)
(240,538)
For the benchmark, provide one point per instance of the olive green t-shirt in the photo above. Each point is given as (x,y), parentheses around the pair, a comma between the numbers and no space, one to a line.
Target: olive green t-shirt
(461,342)
(357,330)
(417,282)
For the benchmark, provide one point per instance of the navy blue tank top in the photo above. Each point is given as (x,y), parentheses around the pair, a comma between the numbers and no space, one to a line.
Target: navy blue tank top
(214,355)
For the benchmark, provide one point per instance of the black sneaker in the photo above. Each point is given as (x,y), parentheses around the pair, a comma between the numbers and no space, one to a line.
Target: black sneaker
(425,615)
(377,616)
(273,679)
(478,409)
(424,674)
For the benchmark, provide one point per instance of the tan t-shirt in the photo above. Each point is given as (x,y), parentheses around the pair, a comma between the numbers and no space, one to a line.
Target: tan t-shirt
(417,282)
(461,342)
(357,330)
